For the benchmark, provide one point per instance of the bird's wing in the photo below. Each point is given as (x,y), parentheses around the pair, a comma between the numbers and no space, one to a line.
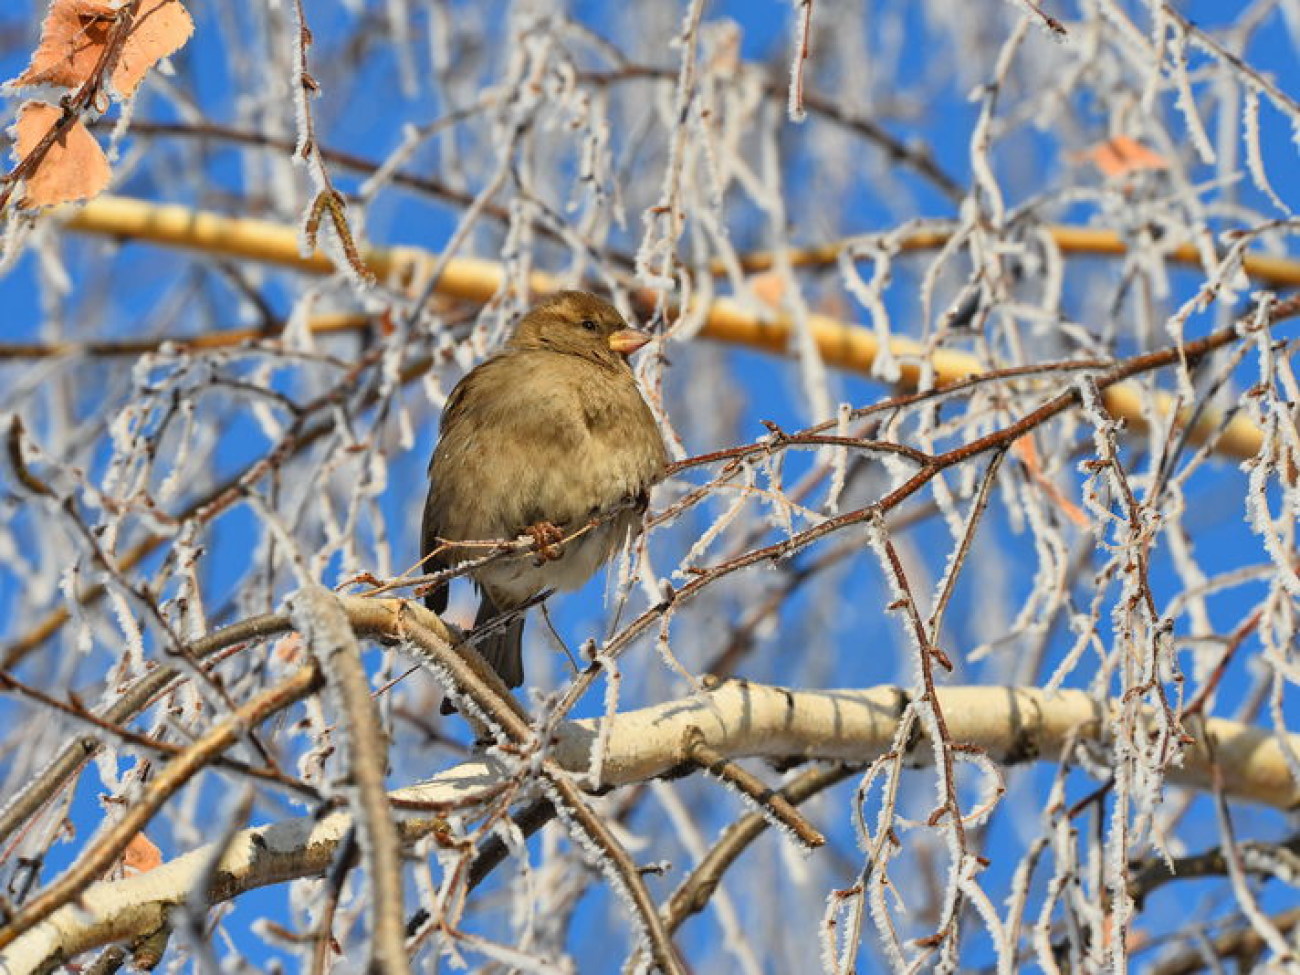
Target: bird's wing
(430,530)
(435,598)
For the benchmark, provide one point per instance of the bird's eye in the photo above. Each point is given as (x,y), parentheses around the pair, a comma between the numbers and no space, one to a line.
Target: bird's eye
(589,325)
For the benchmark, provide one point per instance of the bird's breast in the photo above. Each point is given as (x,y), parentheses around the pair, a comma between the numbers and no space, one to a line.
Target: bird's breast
(544,440)
(515,580)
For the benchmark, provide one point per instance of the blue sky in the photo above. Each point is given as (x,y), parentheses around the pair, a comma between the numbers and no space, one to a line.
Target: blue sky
(768,389)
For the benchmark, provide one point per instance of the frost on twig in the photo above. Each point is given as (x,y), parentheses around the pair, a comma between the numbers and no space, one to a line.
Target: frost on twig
(979,384)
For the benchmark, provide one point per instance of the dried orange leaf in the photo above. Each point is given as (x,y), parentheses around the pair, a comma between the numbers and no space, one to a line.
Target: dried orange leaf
(72,168)
(1122,155)
(1024,448)
(288,649)
(161,28)
(140,855)
(76,32)
(769,288)
(72,39)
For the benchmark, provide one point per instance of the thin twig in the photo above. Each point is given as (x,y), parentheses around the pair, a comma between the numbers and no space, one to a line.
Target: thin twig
(319,616)
(697,889)
(769,800)
(95,860)
(572,806)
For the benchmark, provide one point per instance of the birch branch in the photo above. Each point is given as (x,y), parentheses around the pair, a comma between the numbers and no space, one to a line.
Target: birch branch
(738,719)
(473,279)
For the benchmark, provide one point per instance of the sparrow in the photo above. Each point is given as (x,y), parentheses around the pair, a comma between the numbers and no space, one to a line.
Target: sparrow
(551,438)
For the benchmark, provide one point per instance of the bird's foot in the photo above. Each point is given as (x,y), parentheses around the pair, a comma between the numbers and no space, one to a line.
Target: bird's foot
(546,540)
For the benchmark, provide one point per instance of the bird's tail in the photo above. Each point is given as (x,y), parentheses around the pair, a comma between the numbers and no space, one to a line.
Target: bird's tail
(503,649)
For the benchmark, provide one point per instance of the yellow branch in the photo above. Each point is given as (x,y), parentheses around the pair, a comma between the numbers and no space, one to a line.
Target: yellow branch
(1267,269)
(473,279)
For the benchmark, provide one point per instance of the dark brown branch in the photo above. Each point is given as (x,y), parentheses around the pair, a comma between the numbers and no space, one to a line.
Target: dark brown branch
(920,160)
(697,889)
(769,800)
(76,711)
(571,805)
(1244,943)
(1155,872)
(66,764)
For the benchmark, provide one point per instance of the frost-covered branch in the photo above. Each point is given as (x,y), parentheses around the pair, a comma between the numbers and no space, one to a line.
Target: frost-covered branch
(1012,725)
(1033,292)
(321,619)
(473,279)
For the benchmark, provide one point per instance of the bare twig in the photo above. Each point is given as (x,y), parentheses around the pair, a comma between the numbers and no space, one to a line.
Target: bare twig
(573,808)
(109,845)
(695,892)
(319,616)
(769,801)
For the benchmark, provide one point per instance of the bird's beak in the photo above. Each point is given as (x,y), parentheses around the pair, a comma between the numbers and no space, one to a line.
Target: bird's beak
(627,340)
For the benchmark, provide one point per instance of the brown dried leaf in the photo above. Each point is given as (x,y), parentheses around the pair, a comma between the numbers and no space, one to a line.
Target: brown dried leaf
(75,34)
(73,168)
(1123,155)
(288,649)
(769,288)
(72,39)
(140,855)
(161,28)
(1028,453)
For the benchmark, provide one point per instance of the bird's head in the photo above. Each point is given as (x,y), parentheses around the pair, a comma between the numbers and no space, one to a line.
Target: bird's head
(578,323)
